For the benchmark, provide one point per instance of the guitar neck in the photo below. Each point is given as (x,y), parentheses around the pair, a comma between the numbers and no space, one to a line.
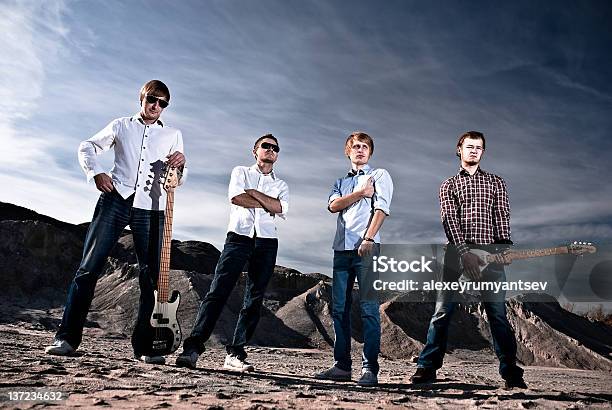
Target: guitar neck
(536,253)
(164,264)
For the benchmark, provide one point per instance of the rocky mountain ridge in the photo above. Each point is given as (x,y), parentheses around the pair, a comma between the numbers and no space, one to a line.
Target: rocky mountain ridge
(38,256)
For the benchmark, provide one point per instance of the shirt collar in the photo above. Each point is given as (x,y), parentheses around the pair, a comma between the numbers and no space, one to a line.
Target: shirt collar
(463,171)
(254,167)
(138,117)
(363,171)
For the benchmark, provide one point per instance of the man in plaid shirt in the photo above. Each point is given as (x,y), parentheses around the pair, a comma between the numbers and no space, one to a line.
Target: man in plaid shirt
(475,211)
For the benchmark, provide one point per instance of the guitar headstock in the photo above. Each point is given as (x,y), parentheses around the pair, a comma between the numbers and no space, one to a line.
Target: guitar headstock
(170,178)
(580,248)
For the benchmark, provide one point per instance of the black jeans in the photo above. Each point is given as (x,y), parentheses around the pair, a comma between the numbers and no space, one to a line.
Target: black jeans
(112,215)
(260,253)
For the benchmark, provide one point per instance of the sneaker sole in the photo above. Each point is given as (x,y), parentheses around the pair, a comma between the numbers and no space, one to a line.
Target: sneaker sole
(59,353)
(335,379)
(241,370)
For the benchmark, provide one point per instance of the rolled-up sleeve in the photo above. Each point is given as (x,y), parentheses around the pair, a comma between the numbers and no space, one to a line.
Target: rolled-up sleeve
(335,193)
(501,212)
(449,213)
(283,197)
(383,190)
(94,146)
(237,183)
(178,146)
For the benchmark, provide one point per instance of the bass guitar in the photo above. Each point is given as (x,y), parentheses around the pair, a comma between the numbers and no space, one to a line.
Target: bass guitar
(166,333)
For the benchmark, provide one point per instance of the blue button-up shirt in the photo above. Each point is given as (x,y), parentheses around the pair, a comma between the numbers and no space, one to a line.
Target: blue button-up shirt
(354,220)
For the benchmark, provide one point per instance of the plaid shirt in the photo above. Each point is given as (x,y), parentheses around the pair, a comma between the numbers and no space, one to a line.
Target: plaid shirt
(475,209)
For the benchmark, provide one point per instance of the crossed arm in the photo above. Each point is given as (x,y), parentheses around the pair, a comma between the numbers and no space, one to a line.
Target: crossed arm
(253,198)
(343,202)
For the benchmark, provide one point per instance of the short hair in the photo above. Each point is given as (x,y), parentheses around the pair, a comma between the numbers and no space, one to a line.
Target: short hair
(361,137)
(475,135)
(263,137)
(155,87)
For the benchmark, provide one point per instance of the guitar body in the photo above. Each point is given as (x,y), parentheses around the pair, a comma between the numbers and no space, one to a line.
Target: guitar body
(483,260)
(166,334)
(483,255)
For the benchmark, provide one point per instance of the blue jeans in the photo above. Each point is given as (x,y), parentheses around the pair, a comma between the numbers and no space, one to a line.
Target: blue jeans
(260,253)
(348,265)
(111,216)
(504,341)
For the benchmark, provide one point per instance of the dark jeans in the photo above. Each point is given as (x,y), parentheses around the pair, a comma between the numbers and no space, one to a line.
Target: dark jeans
(260,253)
(348,265)
(111,216)
(504,341)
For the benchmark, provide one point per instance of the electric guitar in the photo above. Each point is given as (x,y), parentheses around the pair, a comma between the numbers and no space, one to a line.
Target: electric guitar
(576,248)
(166,333)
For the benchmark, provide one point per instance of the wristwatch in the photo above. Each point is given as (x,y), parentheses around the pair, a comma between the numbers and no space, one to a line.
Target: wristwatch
(366,239)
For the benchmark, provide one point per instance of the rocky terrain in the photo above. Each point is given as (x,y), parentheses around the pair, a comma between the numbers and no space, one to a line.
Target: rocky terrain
(568,358)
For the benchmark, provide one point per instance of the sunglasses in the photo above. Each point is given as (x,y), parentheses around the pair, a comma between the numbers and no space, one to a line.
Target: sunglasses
(151,99)
(267,145)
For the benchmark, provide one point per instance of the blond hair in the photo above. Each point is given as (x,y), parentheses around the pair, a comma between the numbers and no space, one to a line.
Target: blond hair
(361,137)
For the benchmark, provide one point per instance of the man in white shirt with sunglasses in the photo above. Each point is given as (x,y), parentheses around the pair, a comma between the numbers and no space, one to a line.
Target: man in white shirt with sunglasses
(132,195)
(257,196)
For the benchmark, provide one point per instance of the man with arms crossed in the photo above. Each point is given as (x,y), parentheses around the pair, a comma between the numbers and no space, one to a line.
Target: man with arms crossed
(257,196)
(132,195)
(362,198)
(475,211)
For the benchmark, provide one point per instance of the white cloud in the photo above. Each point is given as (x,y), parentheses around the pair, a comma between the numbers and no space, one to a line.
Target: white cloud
(32,35)
(239,70)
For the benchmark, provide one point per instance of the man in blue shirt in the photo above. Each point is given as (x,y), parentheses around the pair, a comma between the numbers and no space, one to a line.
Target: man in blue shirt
(361,199)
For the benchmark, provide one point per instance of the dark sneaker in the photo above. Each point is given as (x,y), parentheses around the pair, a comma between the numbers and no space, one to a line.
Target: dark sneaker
(423,375)
(334,373)
(60,348)
(187,359)
(151,359)
(234,363)
(368,378)
(517,382)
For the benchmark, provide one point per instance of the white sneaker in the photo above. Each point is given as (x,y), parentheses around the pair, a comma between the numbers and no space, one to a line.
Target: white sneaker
(60,348)
(368,378)
(234,363)
(334,373)
(152,359)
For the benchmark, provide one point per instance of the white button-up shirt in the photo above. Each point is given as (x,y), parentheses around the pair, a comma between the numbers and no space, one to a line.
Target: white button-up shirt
(256,221)
(140,153)
(354,220)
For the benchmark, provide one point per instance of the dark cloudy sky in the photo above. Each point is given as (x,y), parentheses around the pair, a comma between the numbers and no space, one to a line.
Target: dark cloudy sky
(535,77)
